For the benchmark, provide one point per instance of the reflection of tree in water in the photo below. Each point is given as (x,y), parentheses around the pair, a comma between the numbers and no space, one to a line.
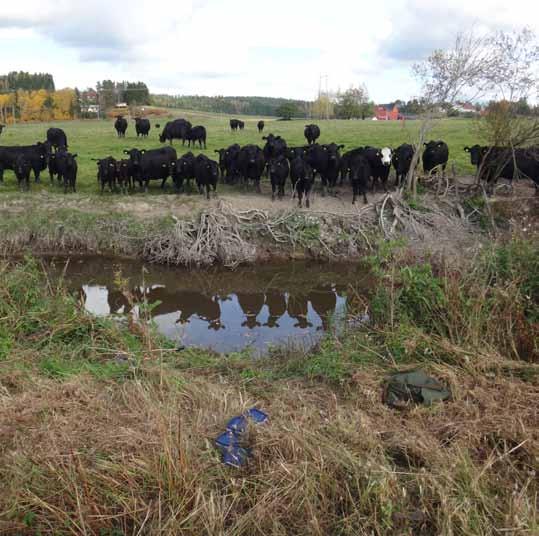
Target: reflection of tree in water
(324,302)
(251,304)
(298,309)
(276,303)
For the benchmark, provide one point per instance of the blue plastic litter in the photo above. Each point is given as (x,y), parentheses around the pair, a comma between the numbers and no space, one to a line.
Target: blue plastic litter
(229,442)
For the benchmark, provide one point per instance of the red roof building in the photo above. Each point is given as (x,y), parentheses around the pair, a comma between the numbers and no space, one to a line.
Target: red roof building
(387,112)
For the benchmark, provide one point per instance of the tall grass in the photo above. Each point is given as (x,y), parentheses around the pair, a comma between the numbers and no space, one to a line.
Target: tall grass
(89,451)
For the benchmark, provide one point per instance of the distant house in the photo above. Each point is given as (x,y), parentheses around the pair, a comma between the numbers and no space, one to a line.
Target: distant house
(387,112)
(121,105)
(90,108)
(465,108)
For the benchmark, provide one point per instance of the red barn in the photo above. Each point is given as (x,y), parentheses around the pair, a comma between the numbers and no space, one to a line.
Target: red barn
(387,112)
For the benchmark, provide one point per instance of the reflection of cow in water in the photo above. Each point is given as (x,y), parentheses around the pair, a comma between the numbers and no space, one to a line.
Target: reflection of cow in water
(324,302)
(117,301)
(276,303)
(251,305)
(298,308)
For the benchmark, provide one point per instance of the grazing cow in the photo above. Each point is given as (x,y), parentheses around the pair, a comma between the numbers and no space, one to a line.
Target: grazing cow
(380,164)
(206,174)
(124,174)
(57,138)
(195,134)
(234,124)
(154,164)
(325,160)
(37,155)
(175,130)
(260,125)
(183,170)
(251,164)
(302,178)
(106,172)
(22,170)
(435,155)
(495,162)
(402,160)
(360,171)
(121,126)
(67,169)
(279,168)
(311,133)
(142,127)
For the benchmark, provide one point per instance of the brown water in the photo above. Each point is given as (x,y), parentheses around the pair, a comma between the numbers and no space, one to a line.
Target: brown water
(252,307)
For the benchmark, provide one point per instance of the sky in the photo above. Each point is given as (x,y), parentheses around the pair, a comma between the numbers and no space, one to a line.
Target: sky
(278,48)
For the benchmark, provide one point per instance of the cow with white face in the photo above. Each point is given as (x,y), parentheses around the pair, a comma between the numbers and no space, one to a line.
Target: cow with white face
(380,164)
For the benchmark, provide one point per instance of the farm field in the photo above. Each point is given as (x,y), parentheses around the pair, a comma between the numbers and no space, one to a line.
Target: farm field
(97,139)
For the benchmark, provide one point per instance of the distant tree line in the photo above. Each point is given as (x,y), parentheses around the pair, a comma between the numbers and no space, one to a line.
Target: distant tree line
(28,81)
(112,92)
(268,106)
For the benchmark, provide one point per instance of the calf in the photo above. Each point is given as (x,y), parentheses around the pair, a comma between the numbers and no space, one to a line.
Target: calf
(435,155)
(260,125)
(106,172)
(302,178)
(279,168)
(57,138)
(53,168)
(22,170)
(124,174)
(206,174)
(121,126)
(195,134)
(311,133)
(380,164)
(184,170)
(402,160)
(360,171)
(251,164)
(142,127)
(67,168)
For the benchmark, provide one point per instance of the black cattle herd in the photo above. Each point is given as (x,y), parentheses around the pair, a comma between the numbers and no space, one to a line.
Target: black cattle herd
(362,167)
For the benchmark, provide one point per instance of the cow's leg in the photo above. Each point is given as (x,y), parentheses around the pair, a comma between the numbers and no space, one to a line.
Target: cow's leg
(208,191)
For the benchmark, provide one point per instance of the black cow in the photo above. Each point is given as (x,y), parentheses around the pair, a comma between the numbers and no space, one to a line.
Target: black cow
(301,176)
(311,133)
(234,124)
(22,170)
(124,174)
(360,171)
(496,162)
(67,169)
(53,168)
(228,162)
(183,170)
(57,137)
(260,125)
(275,146)
(436,154)
(142,127)
(195,134)
(154,164)
(380,164)
(402,159)
(325,160)
(206,174)
(121,126)
(279,168)
(251,164)
(106,172)
(346,159)
(37,155)
(175,130)
(241,124)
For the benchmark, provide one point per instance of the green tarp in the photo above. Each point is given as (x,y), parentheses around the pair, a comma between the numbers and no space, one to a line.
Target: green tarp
(415,387)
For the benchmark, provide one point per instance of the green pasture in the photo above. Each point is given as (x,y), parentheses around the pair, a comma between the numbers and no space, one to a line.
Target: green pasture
(97,139)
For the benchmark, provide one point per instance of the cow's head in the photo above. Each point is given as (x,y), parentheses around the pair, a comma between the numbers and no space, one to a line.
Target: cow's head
(135,155)
(476,153)
(385,156)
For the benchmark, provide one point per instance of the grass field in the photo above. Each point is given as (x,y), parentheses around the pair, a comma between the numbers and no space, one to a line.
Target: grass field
(96,139)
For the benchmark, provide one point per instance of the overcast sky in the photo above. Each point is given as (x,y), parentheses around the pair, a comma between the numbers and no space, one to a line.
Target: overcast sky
(243,47)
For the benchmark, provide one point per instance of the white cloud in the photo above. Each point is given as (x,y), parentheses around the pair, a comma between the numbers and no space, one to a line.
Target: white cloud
(241,47)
